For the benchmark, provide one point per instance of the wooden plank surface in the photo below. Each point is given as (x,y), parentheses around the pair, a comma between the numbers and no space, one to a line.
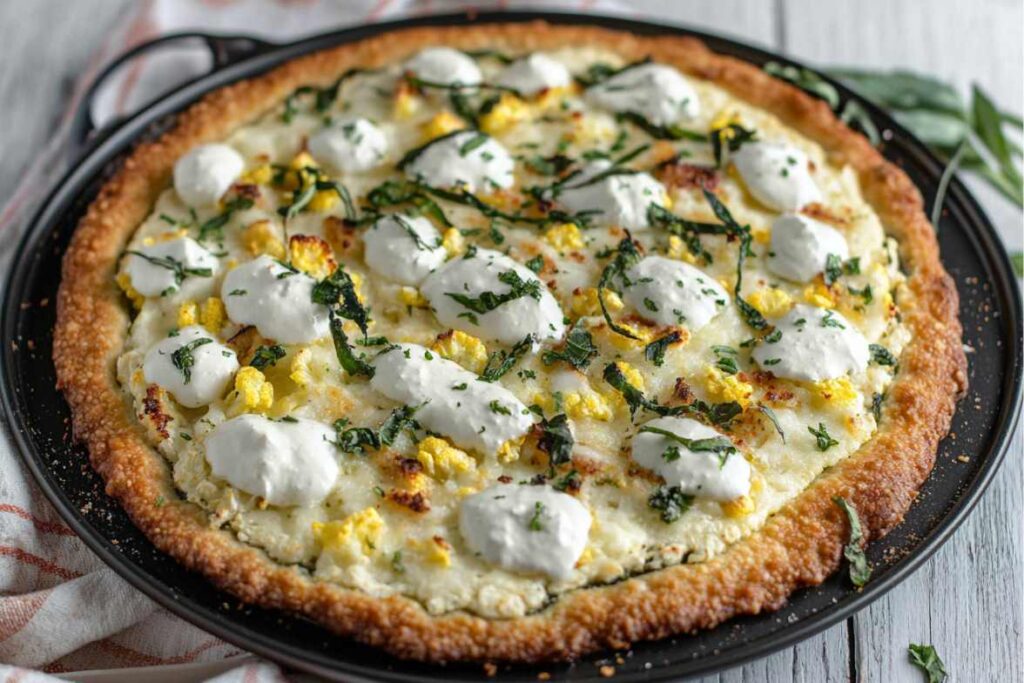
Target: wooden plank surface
(966,600)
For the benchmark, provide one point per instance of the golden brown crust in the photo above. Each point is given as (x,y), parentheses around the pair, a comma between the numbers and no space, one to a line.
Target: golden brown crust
(799,546)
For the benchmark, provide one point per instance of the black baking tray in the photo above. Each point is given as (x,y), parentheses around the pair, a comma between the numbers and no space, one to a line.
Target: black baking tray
(990,308)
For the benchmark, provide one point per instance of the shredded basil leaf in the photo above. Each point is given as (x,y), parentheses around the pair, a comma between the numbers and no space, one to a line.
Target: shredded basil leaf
(860,570)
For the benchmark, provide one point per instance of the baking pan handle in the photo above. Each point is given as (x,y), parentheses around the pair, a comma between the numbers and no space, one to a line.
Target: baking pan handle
(224,49)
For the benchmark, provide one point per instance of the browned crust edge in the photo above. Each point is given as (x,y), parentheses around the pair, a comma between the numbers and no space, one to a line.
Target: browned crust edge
(799,546)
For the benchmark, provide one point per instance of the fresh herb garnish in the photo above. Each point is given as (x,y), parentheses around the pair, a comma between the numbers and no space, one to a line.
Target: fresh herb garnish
(823,438)
(773,418)
(731,138)
(501,361)
(725,359)
(535,264)
(488,301)
(182,357)
(577,350)
(399,420)
(535,522)
(346,356)
(926,658)
(719,445)
(172,264)
(556,440)
(882,355)
(860,570)
(720,414)
(833,268)
(671,502)
(214,227)
(655,351)
(626,256)
(266,356)
(338,292)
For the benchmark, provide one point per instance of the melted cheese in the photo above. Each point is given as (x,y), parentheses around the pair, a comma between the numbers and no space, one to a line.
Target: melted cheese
(202,176)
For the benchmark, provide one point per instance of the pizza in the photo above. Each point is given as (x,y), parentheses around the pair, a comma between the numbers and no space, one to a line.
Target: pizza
(510,342)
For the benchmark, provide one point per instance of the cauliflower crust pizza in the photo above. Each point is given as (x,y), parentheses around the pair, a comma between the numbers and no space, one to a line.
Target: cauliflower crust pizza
(510,342)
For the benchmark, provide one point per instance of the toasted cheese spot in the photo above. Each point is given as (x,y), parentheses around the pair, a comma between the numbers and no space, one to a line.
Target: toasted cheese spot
(771,302)
(464,349)
(353,538)
(124,281)
(261,238)
(258,175)
(587,405)
(323,200)
(632,375)
(212,315)
(453,242)
(677,249)
(312,255)
(509,451)
(724,388)
(585,302)
(299,371)
(441,460)
(188,313)
(434,551)
(407,103)
(442,123)
(564,237)
(835,392)
(508,112)
(411,296)
(817,294)
(254,393)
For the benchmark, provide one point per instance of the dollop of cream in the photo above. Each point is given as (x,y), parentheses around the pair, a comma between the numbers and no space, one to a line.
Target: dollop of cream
(800,247)
(278,301)
(467,158)
(815,344)
(529,529)
(285,462)
(202,176)
(696,473)
(165,265)
(444,66)
(350,146)
(620,199)
(534,74)
(657,92)
(779,176)
(671,292)
(404,248)
(476,273)
(202,379)
(453,401)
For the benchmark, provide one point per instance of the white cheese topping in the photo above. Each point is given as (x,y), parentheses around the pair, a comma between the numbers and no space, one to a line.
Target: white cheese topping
(779,176)
(278,301)
(202,176)
(404,248)
(199,373)
(165,265)
(618,199)
(509,322)
(721,476)
(444,66)
(453,401)
(533,74)
(671,292)
(468,158)
(801,246)
(285,463)
(816,344)
(526,528)
(350,146)
(657,92)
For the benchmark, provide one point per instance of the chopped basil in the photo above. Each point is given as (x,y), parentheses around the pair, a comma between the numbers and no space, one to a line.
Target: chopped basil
(866,293)
(500,362)
(471,144)
(354,439)
(773,418)
(399,420)
(668,132)
(499,409)
(556,440)
(535,264)
(823,438)
(214,227)
(488,301)
(265,356)
(829,320)
(833,268)
(535,523)
(882,355)
(338,292)
(349,362)
(671,502)
(626,256)
(926,658)
(570,482)
(174,265)
(876,406)
(860,570)
(655,351)
(396,562)
(731,137)
(719,445)
(411,231)
(720,414)
(183,359)
(725,359)
(578,349)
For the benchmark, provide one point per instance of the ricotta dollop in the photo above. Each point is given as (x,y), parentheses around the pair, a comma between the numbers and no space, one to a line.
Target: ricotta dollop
(453,401)
(162,267)
(534,74)
(277,300)
(616,198)
(444,66)
(350,146)
(657,92)
(468,158)
(532,529)
(671,292)
(815,344)
(403,248)
(800,247)
(779,176)
(284,462)
(200,372)
(202,176)
(709,474)
(536,312)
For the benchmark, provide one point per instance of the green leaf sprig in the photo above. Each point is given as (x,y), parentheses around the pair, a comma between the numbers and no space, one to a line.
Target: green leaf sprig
(860,570)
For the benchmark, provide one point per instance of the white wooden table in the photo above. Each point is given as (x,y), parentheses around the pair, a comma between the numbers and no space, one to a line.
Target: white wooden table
(967,600)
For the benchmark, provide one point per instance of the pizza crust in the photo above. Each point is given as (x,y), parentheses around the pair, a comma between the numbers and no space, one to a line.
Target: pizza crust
(799,546)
